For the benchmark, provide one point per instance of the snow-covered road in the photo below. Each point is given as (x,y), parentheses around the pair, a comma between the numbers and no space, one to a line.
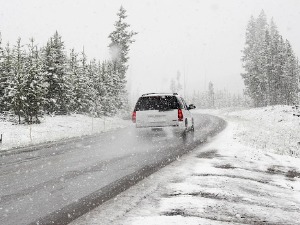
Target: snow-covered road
(60,182)
(222,182)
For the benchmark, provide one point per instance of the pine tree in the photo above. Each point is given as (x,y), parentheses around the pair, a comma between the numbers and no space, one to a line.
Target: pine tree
(271,68)
(56,79)
(93,83)
(266,65)
(99,88)
(260,51)
(109,98)
(250,62)
(7,78)
(103,90)
(83,85)
(73,74)
(290,76)
(3,78)
(16,88)
(34,85)
(276,52)
(121,39)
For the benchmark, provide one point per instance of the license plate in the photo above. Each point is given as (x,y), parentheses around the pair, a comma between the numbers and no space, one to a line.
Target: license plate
(158,120)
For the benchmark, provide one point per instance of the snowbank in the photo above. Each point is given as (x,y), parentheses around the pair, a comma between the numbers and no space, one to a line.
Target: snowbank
(55,128)
(273,128)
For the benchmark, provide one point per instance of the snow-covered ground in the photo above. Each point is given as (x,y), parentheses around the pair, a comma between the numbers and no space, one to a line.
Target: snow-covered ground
(272,128)
(54,129)
(233,179)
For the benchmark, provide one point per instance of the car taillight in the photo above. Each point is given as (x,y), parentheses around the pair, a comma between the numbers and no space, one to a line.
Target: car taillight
(180,115)
(134,116)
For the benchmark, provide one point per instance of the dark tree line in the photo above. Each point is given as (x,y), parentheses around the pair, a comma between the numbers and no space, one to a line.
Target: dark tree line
(34,80)
(271,68)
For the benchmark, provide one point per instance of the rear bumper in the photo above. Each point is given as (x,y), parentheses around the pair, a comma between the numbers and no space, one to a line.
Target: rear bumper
(176,128)
(140,126)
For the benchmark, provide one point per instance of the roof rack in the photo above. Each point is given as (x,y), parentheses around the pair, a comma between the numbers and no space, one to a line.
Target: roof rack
(159,93)
(148,94)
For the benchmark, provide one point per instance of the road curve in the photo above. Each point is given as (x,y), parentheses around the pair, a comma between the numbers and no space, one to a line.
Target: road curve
(56,183)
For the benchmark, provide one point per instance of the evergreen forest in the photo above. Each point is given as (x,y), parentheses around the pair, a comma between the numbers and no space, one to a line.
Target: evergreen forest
(51,80)
(271,75)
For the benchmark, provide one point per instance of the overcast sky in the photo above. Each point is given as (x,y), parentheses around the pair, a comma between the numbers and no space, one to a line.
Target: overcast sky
(201,39)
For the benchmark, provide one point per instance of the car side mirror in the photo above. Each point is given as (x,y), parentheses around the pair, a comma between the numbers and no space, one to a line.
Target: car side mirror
(191,106)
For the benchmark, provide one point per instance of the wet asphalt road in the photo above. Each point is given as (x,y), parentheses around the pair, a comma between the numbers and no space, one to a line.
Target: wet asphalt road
(56,183)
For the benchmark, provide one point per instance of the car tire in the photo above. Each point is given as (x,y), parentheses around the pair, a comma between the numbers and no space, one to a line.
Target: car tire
(185,131)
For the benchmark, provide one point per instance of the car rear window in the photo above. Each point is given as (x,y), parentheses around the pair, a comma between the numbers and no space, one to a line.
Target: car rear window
(157,103)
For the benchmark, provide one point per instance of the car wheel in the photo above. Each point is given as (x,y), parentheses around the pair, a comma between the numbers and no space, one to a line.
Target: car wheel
(184,132)
(186,125)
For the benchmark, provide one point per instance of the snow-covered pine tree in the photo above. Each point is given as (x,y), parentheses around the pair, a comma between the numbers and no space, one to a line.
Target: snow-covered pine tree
(271,68)
(114,91)
(55,67)
(92,83)
(77,72)
(7,78)
(99,89)
(121,39)
(34,85)
(83,83)
(103,90)
(250,62)
(16,86)
(253,59)
(72,73)
(290,76)
(109,98)
(262,80)
(3,79)
(267,65)
(276,51)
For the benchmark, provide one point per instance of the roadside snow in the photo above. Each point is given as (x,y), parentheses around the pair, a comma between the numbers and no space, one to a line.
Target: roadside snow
(272,128)
(228,181)
(55,128)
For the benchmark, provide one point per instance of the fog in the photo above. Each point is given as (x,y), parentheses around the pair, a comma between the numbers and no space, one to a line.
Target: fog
(202,40)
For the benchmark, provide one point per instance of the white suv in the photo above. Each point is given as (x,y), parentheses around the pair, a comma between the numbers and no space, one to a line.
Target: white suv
(155,110)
